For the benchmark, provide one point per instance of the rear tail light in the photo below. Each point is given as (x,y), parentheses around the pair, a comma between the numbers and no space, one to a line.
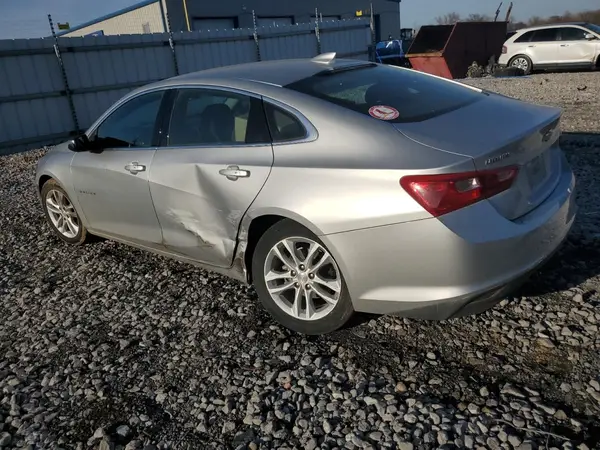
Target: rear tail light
(504,49)
(444,193)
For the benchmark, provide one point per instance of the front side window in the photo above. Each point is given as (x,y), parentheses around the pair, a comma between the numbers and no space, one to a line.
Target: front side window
(131,124)
(211,117)
(411,95)
(593,27)
(572,34)
(545,35)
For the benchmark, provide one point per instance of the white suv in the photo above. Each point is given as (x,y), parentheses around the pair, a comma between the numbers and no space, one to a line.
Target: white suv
(564,46)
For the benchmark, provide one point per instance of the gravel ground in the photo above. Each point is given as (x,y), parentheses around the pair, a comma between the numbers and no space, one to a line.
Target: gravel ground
(107,347)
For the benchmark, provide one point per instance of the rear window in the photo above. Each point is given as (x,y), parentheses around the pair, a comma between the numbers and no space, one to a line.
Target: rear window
(414,95)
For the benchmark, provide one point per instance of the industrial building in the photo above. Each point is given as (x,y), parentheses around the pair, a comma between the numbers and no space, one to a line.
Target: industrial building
(201,14)
(150,16)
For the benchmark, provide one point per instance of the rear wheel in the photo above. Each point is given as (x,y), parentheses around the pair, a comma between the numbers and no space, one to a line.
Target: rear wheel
(61,214)
(522,62)
(298,281)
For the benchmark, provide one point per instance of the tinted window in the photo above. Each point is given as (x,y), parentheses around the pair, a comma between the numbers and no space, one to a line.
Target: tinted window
(283,125)
(525,37)
(595,28)
(203,117)
(415,96)
(545,35)
(132,124)
(572,34)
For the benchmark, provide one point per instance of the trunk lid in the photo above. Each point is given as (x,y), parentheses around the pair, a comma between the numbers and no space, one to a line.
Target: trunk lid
(496,132)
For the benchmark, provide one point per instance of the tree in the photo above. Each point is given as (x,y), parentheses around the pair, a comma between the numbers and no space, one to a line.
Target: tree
(592,16)
(514,26)
(478,18)
(448,19)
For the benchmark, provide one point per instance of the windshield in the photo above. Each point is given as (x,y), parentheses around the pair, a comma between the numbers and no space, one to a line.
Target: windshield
(593,27)
(388,93)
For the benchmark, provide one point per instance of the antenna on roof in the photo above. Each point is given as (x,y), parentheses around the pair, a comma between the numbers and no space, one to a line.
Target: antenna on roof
(324,58)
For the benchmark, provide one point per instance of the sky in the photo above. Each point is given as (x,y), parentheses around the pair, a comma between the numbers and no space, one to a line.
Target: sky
(29,18)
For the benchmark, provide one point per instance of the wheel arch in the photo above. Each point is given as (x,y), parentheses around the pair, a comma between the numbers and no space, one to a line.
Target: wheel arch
(42,180)
(255,225)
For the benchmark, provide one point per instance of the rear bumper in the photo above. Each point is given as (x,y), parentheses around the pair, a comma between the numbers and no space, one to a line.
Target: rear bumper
(461,264)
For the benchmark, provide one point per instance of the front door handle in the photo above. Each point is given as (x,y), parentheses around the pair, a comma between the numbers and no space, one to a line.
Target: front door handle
(234,172)
(135,167)
(564,45)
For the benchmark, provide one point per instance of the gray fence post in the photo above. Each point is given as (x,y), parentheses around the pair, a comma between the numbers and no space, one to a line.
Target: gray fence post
(317,32)
(64,76)
(255,36)
(172,45)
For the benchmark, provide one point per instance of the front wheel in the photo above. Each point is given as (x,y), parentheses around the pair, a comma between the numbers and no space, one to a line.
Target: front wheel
(61,214)
(522,62)
(298,281)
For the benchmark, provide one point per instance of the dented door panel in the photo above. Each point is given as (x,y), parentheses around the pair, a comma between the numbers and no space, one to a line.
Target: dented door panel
(199,208)
(579,52)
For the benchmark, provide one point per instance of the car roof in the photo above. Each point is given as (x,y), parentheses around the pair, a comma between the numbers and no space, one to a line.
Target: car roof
(551,25)
(277,72)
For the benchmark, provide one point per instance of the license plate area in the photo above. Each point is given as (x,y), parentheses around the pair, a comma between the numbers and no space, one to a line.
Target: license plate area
(536,171)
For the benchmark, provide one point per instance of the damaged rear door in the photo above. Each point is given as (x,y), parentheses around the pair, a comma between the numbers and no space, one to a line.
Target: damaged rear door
(214,161)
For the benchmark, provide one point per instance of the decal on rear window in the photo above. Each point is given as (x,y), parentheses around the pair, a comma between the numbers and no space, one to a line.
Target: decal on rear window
(383,112)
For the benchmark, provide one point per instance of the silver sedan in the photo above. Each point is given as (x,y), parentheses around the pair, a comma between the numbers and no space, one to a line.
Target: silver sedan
(333,186)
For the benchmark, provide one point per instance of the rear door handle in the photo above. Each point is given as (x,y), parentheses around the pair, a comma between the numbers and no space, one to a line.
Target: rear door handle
(564,45)
(234,172)
(135,167)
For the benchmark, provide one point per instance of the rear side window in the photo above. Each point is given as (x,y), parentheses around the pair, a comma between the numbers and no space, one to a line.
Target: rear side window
(283,125)
(415,96)
(525,37)
(205,117)
(545,35)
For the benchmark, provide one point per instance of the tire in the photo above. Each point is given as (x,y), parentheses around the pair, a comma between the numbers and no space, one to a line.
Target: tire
(55,196)
(523,62)
(289,307)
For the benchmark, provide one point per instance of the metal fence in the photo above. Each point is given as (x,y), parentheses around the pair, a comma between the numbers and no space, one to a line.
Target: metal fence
(52,89)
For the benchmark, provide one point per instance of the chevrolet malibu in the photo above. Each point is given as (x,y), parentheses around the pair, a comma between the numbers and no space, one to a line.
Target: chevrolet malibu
(333,186)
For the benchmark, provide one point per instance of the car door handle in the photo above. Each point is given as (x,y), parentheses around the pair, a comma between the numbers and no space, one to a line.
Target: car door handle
(564,45)
(234,172)
(135,167)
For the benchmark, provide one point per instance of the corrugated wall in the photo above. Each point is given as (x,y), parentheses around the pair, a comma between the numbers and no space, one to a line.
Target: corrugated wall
(35,108)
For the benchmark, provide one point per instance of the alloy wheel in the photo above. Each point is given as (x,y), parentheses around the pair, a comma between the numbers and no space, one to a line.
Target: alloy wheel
(521,63)
(62,213)
(302,278)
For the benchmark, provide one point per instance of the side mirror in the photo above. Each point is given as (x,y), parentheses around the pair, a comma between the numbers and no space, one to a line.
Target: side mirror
(590,36)
(80,144)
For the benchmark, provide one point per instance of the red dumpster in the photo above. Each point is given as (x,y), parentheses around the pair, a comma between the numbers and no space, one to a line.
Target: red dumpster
(449,50)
